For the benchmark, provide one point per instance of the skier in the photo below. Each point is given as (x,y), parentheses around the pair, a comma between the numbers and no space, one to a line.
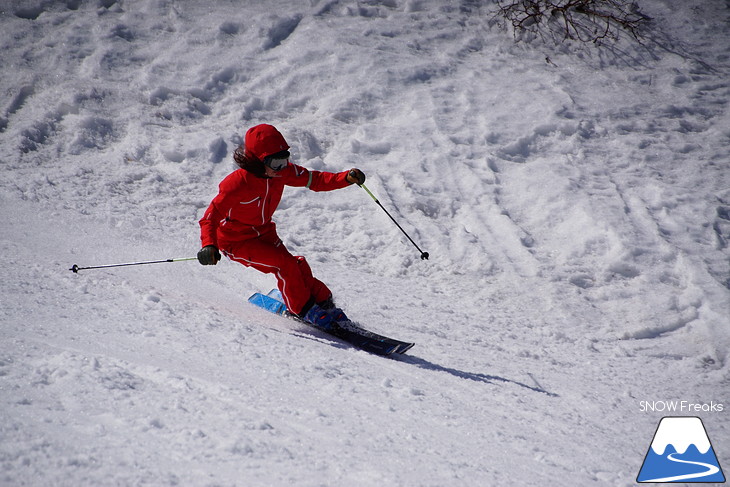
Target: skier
(238,221)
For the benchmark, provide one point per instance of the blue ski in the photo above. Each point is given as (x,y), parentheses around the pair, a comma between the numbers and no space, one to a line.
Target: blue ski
(348,331)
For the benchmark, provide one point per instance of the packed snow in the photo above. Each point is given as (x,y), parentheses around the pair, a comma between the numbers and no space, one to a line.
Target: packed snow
(574,200)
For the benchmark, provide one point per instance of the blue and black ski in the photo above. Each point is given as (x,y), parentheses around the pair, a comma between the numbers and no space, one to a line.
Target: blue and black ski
(347,330)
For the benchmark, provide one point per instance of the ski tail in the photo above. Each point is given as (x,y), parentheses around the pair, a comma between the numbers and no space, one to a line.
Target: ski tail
(268,303)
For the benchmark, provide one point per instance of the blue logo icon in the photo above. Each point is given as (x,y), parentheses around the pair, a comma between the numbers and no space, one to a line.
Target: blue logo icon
(681,452)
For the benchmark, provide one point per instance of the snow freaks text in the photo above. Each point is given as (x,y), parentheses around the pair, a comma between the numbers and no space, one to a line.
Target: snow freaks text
(680,407)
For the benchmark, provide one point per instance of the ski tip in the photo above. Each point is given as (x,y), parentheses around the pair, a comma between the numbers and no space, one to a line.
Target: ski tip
(404,348)
(395,350)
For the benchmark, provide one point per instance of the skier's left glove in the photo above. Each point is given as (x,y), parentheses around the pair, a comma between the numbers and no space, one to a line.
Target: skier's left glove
(356,176)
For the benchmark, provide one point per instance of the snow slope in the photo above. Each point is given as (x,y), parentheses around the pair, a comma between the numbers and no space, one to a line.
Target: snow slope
(577,214)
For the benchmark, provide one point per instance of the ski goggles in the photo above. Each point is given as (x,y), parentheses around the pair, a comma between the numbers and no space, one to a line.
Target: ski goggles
(277,162)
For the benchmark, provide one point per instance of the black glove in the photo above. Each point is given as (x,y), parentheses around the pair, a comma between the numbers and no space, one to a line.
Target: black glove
(209,255)
(355,176)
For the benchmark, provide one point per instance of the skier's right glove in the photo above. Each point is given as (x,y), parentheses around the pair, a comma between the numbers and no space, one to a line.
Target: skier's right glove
(209,255)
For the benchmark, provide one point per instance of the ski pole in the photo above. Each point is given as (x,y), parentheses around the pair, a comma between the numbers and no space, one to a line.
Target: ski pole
(424,255)
(75,268)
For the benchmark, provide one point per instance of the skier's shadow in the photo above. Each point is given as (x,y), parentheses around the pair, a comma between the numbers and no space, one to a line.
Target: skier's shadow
(475,376)
(316,335)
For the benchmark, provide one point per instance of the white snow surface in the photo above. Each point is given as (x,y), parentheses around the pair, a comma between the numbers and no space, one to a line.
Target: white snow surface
(575,202)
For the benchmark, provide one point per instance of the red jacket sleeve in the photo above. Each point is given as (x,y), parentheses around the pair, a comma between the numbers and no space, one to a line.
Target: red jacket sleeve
(316,180)
(209,225)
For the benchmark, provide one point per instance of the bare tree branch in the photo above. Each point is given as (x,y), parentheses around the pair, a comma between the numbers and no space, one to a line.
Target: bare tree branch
(581,20)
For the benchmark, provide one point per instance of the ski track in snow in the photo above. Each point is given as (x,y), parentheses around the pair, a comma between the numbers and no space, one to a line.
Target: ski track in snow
(577,214)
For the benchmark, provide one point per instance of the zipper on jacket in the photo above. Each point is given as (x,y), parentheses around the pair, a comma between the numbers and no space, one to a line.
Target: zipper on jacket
(263,203)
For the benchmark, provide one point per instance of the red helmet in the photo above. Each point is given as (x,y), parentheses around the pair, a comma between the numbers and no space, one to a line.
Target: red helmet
(264,140)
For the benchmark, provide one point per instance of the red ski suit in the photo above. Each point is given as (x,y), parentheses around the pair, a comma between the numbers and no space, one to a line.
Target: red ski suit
(238,222)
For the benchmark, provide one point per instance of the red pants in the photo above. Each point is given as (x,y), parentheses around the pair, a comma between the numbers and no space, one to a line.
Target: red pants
(293,274)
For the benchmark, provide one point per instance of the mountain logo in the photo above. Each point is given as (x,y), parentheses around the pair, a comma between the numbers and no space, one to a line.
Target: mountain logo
(681,452)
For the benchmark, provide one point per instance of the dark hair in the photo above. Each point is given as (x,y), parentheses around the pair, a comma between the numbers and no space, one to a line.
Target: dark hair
(249,162)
